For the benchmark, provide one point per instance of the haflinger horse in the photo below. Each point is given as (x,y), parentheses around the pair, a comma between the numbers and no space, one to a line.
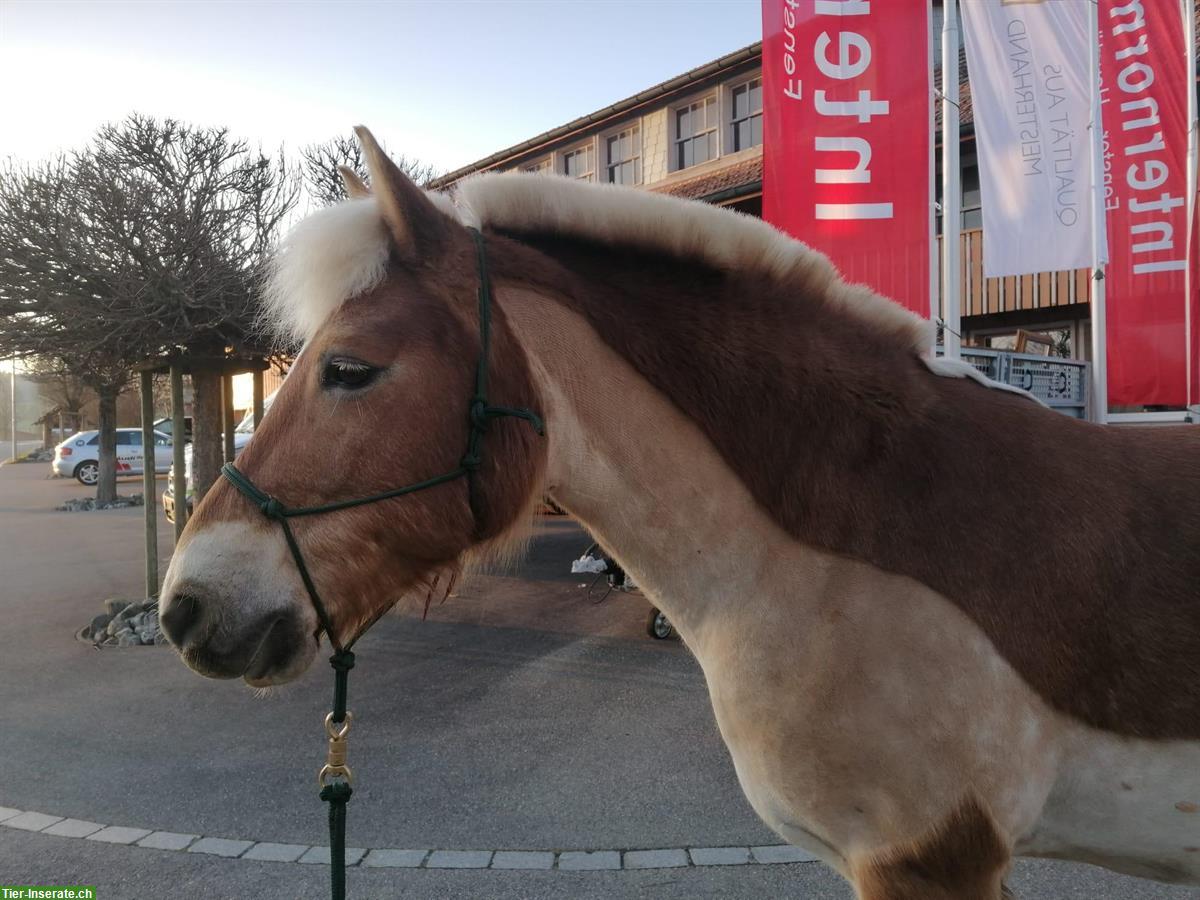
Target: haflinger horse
(941,625)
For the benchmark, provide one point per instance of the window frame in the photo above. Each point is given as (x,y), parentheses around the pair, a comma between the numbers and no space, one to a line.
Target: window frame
(729,123)
(638,158)
(560,160)
(542,166)
(673,127)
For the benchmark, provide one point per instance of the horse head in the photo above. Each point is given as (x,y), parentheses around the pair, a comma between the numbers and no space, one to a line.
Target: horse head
(382,289)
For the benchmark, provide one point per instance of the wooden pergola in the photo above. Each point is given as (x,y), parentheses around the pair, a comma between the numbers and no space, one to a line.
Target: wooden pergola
(176,366)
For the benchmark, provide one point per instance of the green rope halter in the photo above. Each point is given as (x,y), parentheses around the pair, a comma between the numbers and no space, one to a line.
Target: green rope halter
(336,792)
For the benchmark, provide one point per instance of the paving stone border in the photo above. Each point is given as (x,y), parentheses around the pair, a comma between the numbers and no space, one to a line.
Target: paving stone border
(500,859)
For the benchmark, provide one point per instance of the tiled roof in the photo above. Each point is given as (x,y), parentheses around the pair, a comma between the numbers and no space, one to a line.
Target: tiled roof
(740,174)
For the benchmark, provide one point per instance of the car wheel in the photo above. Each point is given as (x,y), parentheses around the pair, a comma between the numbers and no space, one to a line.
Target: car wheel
(88,472)
(658,626)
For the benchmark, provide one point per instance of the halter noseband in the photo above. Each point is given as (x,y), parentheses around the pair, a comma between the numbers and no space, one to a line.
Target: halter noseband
(480,414)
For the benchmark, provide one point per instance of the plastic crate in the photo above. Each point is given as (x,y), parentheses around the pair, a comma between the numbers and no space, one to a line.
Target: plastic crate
(989,362)
(1060,383)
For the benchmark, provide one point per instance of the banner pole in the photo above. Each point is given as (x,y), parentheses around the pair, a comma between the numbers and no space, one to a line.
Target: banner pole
(951,187)
(1096,138)
(934,274)
(12,387)
(1193,152)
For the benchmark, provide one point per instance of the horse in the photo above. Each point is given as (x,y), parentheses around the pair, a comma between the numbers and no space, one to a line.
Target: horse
(941,625)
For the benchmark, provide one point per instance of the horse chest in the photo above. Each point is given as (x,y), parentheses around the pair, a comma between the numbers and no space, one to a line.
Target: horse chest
(866,719)
(865,709)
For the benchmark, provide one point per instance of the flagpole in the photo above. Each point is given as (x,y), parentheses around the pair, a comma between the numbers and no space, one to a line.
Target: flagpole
(12,387)
(934,274)
(1193,152)
(1096,138)
(951,188)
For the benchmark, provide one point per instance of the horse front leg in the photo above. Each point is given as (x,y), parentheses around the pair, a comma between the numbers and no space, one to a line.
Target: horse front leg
(964,858)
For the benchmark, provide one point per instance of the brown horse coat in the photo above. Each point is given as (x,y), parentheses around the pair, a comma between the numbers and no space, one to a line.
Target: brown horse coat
(1076,548)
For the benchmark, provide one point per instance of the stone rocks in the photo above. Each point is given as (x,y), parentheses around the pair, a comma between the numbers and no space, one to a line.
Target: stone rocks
(87,504)
(124,625)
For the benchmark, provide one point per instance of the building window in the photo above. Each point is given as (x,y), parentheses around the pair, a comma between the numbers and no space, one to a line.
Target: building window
(972,208)
(579,163)
(541,167)
(972,203)
(696,133)
(624,156)
(747,114)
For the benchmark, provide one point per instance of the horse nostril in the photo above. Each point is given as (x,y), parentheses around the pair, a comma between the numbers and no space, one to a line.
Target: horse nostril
(181,617)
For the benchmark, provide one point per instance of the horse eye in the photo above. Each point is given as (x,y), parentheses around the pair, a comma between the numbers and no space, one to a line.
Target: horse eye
(347,373)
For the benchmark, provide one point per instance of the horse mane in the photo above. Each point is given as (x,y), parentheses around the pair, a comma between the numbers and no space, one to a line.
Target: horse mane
(342,250)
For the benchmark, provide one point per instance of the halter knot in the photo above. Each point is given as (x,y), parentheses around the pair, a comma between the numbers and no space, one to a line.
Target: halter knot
(272,509)
(480,414)
(342,661)
(471,461)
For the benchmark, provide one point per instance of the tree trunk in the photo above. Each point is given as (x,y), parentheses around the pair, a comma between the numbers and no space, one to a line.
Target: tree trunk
(47,434)
(106,487)
(207,448)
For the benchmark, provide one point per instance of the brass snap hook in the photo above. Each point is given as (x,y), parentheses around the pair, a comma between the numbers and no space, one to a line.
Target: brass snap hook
(335,763)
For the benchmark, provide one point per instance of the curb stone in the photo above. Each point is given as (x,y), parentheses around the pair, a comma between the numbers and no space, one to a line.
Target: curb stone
(73,828)
(523,859)
(720,856)
(31,821)
(589,860)
(231,849)
(445,859)
(118,834)
(167,840)
(269,852)
(319,856)
(459,859)
(655,859)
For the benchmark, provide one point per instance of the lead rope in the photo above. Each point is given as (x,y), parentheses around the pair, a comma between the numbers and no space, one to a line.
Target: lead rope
(335,776)
(337,793)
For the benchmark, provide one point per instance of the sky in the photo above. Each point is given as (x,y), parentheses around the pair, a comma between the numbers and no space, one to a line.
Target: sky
(443,82)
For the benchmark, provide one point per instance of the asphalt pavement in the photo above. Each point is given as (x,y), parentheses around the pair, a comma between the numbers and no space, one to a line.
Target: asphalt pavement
(519,716)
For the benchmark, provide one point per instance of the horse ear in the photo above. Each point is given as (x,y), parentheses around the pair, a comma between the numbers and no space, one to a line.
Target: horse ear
(416,225)
(353,184)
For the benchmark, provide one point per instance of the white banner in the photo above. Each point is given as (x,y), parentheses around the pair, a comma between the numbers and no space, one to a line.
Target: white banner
(1027,61)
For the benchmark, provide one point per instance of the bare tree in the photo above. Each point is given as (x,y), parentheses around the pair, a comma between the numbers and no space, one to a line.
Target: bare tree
(150,241)
(321,161)
(59,386)
(62,295)
(215,208)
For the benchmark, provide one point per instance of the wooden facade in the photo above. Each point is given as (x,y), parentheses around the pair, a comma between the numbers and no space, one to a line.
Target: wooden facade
(1014,293)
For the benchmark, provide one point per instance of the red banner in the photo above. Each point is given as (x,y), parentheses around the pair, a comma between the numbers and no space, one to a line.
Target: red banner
(1145,81)
(847,111)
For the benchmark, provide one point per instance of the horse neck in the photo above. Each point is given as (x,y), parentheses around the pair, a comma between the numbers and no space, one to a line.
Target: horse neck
(640,475)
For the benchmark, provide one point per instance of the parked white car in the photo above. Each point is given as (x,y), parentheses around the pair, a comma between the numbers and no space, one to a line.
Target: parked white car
(79,455)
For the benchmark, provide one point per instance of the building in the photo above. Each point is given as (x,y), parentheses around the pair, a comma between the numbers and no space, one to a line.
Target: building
(699,136)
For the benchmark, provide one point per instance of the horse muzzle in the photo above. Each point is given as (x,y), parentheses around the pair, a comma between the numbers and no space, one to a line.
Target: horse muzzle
(230,613)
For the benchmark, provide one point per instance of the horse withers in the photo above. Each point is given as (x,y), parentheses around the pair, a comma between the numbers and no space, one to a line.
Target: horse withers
(941,625)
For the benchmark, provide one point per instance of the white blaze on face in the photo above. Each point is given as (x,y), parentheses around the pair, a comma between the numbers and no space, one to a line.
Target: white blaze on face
(242,577)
